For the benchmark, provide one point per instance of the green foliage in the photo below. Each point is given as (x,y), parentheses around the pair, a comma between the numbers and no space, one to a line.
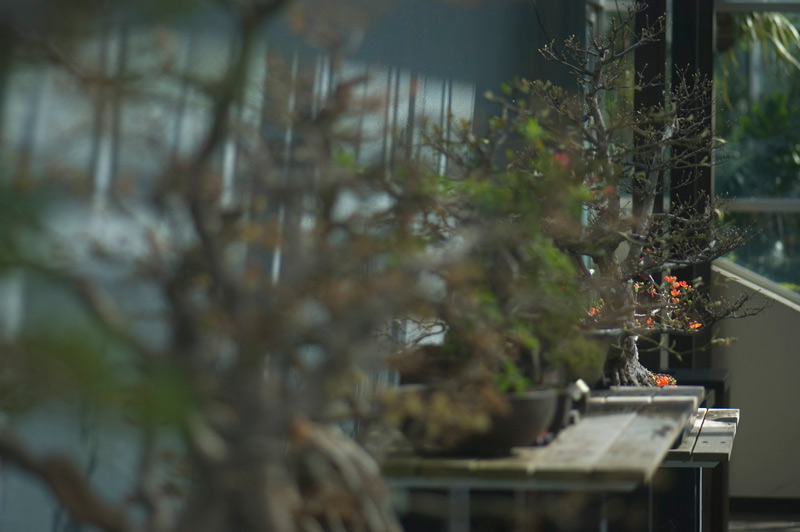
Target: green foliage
(509,196)
(511,380)
(533,132)
(765,144)
(20,208)
(757,75)
(163,396)
(581,357)
(70,362)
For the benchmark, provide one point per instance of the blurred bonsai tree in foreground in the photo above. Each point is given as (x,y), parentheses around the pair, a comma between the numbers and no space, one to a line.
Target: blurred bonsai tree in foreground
(237,311)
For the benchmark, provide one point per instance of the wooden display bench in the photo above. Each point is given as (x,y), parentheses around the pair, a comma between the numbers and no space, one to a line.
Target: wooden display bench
(626,436)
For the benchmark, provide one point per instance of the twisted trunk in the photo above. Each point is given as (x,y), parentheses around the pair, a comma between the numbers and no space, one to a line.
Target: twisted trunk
(623,368)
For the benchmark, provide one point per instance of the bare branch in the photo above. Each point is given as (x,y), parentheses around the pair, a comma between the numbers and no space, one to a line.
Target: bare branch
(68,484)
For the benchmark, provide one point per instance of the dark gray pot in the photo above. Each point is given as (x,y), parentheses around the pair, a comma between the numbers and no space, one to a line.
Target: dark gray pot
(531,415)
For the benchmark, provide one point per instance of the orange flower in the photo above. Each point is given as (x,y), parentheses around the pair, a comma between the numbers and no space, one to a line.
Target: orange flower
(650,322)
(670,278)
(594,311)
(662,381)
(695,325)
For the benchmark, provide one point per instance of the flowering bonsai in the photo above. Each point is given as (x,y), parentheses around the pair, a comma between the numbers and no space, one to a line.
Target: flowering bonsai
(564,259)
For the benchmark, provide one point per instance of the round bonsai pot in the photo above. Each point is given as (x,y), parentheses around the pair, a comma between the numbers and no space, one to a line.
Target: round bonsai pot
(530,415)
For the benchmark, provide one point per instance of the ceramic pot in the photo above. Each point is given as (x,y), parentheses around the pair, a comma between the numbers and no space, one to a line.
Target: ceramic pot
(530,416)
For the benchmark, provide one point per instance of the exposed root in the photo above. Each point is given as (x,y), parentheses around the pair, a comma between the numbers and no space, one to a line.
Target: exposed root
(626,370)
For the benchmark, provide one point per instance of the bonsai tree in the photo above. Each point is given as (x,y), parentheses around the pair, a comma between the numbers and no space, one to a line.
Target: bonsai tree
(553,214)
(221,311)
(626,158)
(507,305)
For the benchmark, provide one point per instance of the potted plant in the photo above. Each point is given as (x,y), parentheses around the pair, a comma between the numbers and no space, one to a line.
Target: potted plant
(547,270)
(510,306)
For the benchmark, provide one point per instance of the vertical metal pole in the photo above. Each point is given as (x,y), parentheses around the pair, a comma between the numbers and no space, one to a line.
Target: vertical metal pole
(698,497)
(521,520)
(603,513)
(459,510)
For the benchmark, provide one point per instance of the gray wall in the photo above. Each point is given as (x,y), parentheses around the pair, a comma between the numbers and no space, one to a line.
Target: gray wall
(765,373)
(489,42)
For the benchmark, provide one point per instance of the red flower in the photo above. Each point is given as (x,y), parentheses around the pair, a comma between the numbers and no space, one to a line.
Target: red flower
(561,158)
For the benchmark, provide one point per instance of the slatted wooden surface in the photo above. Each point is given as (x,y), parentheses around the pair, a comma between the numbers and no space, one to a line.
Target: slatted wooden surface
(684,450)
(710,440)
(636,434)
(631,398)
(622,440)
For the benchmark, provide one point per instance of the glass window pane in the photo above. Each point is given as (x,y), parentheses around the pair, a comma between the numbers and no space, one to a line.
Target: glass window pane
(774,251)
(758,114)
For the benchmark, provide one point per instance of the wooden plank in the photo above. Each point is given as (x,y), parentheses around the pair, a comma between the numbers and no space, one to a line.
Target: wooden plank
(650,391)
(401,465)
(578,448)
(514,466)
(640,449)
(631,398)
(696,391)
(715,441)
(518,466)
(683,452)
(688,399)
(727,415)
(668,392)
(689,402)
(628,403)
(615,405)
(644,391)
